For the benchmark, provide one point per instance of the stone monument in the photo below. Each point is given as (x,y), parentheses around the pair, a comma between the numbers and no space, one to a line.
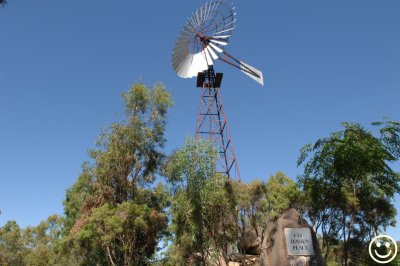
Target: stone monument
(290,242)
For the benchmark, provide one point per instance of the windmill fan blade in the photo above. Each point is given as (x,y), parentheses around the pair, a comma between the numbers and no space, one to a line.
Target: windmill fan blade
(199,64)
(218,42)
(188,29)
(226,30)
(221,37)
(213,54)
(183,68)
(225,25)
(208,57)
(252,72)
(216,48)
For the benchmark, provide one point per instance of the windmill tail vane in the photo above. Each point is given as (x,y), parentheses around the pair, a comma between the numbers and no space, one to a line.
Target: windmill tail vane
(250,71)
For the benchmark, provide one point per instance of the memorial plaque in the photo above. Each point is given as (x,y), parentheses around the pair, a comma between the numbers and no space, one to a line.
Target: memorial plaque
(299,242)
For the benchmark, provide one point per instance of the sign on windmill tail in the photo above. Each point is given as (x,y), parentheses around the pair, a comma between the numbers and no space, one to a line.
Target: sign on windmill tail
(203,40)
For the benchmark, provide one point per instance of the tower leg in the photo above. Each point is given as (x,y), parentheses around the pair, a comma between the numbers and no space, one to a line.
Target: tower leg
(213,125)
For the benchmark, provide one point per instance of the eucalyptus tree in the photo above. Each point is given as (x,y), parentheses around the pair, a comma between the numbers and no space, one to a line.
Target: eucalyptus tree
(114,215)
(189,171)
(349,185)
(12,248)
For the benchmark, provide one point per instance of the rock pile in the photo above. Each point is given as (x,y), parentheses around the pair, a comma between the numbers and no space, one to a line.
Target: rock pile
(273,251)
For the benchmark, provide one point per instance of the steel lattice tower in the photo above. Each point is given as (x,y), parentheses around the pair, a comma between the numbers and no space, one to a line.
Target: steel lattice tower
(212,123)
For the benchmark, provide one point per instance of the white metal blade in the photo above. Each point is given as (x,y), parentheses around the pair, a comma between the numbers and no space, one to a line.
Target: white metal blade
(179,61)
(181,69)
(193,20)
(181,44)
(208,9)
(216,48)
(189,29)
(219,42)
(208,57)
(204,12)
(184,67)
(201,15)
(215,12)
(179,54)
(204,7)
(222,31)
(226,25)
(259,75)
(213,54)
(198,19)
(199,64)
(213,9)
(180,49)
(221,37)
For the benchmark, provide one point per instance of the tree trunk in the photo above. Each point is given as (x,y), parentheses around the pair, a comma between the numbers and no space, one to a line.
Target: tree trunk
(109,256)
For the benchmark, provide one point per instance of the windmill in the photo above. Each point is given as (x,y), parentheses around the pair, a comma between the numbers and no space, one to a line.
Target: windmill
(202,41)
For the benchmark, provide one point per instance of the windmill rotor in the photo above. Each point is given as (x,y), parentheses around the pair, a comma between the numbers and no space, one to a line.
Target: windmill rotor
(203,40)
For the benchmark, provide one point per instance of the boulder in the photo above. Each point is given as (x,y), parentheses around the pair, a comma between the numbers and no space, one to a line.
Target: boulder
(250,243)
(275,249)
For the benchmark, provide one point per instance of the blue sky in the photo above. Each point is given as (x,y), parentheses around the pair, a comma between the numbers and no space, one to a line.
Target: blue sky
(64,65)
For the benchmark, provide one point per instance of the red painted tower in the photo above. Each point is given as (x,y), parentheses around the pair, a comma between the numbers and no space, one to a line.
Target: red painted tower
(212,123)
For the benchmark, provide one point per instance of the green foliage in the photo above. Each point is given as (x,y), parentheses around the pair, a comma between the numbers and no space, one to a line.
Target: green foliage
(11,245)
(33,246)
(128,233)
(112,214)
(348,185)
(174,256)
(77,195)
(390,136)
(281,194)
(129,152)
(42,241)
(190,170)
(192,165)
